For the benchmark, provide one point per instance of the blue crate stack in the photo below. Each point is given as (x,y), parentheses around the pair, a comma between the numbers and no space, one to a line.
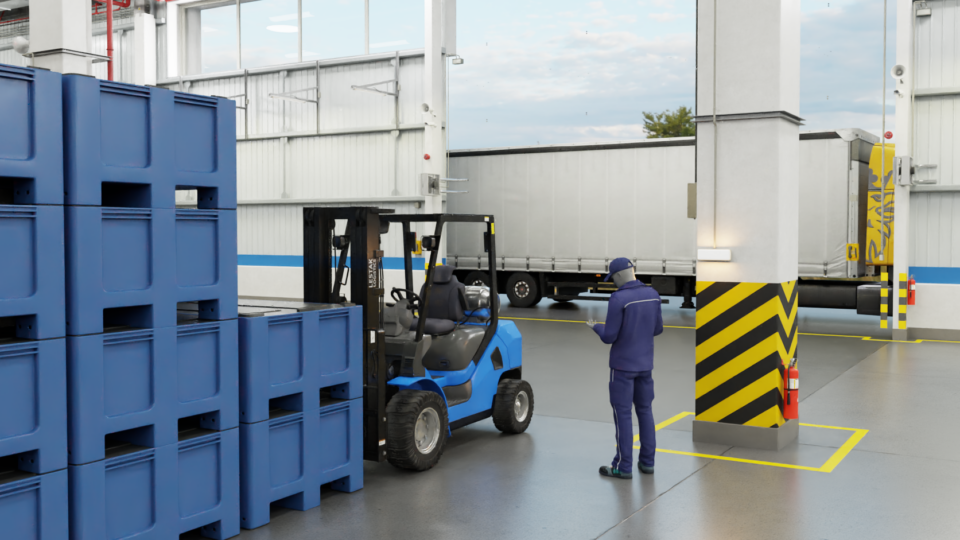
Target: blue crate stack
(33,405)
(301,412)
(151,312)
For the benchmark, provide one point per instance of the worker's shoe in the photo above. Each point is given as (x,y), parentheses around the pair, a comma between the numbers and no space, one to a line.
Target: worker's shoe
(615,473)
(644,469)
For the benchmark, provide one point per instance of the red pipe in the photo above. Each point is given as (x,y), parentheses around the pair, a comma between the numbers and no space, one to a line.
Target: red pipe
(110,39)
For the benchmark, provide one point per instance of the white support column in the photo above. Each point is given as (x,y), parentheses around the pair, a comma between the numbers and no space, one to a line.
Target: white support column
(61,25)
(748,161)
(434,100)
(144,48)
(901,194)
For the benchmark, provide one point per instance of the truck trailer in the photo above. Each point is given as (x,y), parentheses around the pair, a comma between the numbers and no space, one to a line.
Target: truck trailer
(569,210)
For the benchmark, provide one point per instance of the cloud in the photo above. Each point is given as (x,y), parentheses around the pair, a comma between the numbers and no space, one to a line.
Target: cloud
(595,5)
(629,19)
(604,132)
(666,17)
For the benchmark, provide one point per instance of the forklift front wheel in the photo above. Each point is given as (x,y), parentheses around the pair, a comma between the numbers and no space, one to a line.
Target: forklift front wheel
(522,290)
(513,406)
(416,429)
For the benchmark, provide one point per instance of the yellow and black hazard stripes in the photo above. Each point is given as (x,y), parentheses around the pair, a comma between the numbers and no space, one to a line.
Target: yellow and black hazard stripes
(884,299)
(746,333)
(902,303)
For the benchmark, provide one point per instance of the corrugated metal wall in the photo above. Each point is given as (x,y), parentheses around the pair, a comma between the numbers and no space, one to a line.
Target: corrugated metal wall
(935,217)
(359,156)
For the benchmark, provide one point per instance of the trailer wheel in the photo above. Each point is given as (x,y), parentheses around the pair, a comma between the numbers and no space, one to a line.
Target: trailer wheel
(416,429)
(513,406)
(523,290)
(477,279)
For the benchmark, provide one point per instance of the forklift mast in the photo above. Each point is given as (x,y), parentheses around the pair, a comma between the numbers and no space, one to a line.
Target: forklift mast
(362,239)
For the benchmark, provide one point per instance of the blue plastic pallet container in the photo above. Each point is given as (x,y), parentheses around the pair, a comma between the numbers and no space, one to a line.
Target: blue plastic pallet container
(128,145)
(208,473)
(206,255)
(119,258)
(32,272)
(131,493)
(34,507)
(289,348)
(31,141)
(341,444)
(207,371)
(279,464)
(121,384)
(33,404)
(206,148)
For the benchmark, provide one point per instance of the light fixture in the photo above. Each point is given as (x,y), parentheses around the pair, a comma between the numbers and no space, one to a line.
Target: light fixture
(457,60)
(714,255)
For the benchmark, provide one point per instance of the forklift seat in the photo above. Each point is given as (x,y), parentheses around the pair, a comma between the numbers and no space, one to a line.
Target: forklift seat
(447,303)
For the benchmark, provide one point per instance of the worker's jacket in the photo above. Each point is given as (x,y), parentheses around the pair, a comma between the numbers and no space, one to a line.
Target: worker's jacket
(633,318)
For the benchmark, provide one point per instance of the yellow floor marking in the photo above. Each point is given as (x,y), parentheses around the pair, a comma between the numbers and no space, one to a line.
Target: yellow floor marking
(828,467)
(864,338)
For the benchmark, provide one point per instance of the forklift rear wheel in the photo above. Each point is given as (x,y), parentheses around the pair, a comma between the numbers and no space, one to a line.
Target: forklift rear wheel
(476,278)
(513,406)
(416,429)
(523,290)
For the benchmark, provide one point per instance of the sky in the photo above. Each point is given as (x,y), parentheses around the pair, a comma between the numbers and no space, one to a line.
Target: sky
(574,71)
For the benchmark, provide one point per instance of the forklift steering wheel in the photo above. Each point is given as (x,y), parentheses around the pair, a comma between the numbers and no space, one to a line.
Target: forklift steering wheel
(412,298)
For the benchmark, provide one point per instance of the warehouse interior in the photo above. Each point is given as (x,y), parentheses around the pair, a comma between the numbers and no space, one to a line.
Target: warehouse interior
(255,291)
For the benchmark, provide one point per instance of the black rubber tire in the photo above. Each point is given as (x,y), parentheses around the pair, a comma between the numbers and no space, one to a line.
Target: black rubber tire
(402,413)
(523,291)
(477,278)
(503,410)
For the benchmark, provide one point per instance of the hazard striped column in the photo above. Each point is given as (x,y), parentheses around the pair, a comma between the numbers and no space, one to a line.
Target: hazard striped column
(746,336)
(902,303)
(884,298)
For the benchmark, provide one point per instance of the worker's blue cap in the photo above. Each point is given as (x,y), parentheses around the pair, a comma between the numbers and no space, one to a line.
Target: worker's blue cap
(618,264)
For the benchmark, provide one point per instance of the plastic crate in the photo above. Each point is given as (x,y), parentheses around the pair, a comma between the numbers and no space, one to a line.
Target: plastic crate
(206,255)
(279,464)
(33,404)
(207,371)
(34,507)
(208,473)
(132,493)
(31,141)
(128,145)
(32,272)
(119,258)
(121,383)
(341,444)
(291,348)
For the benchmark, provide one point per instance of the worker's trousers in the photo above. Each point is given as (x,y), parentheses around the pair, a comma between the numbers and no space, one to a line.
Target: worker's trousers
(633,388)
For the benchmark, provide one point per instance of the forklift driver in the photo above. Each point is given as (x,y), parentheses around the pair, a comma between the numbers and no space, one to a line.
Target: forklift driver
(633,319)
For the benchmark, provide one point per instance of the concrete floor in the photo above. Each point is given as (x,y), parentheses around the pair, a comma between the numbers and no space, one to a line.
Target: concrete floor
(902,480)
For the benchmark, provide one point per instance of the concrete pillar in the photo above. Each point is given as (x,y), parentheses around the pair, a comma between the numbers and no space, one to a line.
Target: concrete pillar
(144,48)
(62,26)
(434,143)
(748,87)
(901,193)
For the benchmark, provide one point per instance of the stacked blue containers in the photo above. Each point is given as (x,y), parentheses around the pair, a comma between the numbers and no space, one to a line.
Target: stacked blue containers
(151,319)
(33,408)
(301,409)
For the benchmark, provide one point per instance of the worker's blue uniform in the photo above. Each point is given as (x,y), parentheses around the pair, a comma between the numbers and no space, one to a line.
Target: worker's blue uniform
(633,319)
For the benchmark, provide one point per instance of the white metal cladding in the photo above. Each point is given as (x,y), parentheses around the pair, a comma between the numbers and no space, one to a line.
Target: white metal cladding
(935,216)
(277,229)
(122,52)
(575,210)
(934,229)
(12,57)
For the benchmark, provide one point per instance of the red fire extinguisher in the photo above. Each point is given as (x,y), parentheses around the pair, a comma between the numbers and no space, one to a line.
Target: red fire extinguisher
(791,392)
(911,292)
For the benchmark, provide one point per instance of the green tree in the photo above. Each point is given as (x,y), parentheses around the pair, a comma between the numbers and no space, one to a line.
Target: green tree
(668,123)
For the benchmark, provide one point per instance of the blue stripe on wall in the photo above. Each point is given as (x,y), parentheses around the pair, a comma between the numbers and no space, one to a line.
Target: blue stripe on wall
(389,263)
(936,274)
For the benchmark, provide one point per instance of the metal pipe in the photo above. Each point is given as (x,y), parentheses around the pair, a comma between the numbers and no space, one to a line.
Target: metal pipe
(110,39)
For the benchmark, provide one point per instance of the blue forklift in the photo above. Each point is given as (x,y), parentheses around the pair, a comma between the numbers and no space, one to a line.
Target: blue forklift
(437,357)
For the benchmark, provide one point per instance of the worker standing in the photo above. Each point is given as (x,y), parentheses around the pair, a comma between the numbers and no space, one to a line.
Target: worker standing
(633,319)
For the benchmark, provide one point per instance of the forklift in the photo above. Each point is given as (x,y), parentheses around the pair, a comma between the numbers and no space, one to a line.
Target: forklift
(434,359)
